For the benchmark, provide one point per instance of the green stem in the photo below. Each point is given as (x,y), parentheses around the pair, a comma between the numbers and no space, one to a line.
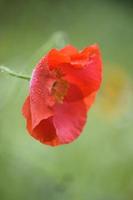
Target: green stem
(12,73)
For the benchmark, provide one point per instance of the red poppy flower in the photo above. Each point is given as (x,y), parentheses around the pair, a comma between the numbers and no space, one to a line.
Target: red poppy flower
(62,89)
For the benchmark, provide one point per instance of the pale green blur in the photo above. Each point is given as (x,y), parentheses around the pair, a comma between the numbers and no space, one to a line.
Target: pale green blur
(99,164)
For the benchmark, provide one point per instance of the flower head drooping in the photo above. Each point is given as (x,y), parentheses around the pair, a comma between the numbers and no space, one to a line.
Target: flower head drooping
(62,88)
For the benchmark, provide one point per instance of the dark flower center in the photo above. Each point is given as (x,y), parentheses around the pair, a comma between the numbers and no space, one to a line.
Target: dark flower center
(59,90)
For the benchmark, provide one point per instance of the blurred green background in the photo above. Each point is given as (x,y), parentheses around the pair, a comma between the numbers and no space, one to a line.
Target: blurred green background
(99,164)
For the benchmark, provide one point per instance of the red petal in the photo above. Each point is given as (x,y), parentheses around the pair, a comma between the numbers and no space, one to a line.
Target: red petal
(88,76)
(73,93)
(26,108)
(69,50)
(90,100)
(55,58)
(69,120)
(41,100)
(27,113)
(46,133)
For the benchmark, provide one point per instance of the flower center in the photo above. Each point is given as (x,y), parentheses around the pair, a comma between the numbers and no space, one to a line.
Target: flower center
(59,90)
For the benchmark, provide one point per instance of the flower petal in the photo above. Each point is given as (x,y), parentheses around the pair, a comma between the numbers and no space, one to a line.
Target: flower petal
(27,113)
(73,93)
(69,120)
(90,100)
(55,58)
(45,132)
(26,108)
(88,76)
(41,100)
(69,50)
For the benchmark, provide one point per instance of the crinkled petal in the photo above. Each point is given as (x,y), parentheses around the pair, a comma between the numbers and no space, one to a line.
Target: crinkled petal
(55,58)
(69,50)
(69,120)
(89,75)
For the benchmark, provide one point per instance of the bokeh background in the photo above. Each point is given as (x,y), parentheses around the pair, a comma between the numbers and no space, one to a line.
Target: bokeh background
(99,164)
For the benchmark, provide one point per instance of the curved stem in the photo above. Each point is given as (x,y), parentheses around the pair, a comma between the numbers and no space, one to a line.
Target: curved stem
(12,73)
